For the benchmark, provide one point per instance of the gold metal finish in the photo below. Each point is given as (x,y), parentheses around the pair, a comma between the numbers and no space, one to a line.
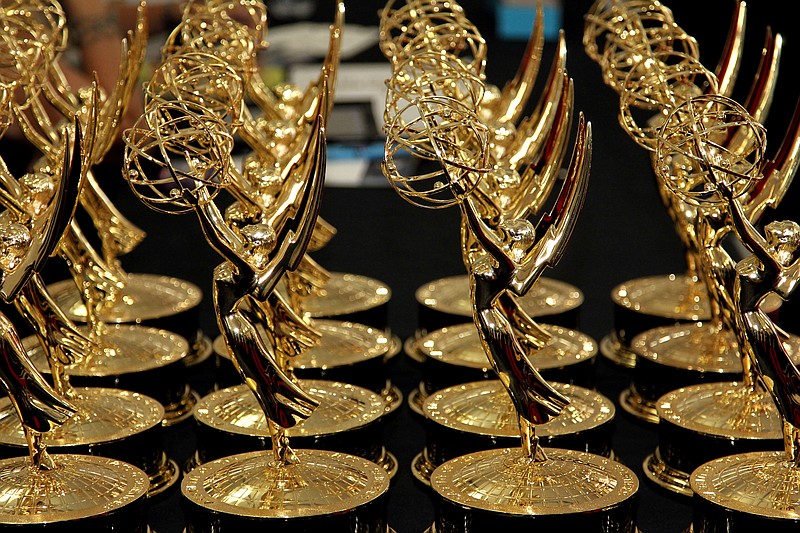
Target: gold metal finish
(37,223)
(548,296)
(104,415)
(485,408)
(506,482)
(195,106)
(440,111)
(673,296)
(88,486)
(342,407)
(709,155)
(124,349)
(346,293)
(253,485)
(344,343)
(654,66)
(461,345)
(145,297)
(760,483)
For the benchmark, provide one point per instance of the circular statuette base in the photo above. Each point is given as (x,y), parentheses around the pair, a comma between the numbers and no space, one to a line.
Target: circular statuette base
(343,407)
(347,294)
(547,297)
(575,491)
(348,352)
(104,415)
(454,355)
(344,344)
(460,345)
(348,420)
(704,422)
(145,297)
(89,492)
(112,423)
(126,349)
(484,407)
(324,491)
(747,492)
(675,297)
(478,416)
(671,357)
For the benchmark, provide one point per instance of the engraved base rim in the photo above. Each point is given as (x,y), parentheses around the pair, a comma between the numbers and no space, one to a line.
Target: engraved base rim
(120,483)
(316,468)
(759,480)
(562,465)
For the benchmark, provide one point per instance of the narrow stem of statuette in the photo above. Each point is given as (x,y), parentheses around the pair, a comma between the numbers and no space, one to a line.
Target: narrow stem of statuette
(791,441)
(283,454)
(531,449)
(748,372)
(40,459)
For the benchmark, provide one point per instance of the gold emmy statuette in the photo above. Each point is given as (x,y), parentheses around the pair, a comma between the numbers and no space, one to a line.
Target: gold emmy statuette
(706,421)
(633,41)
(756,490)
(433,114)
(149,299)
(405,31)
(518,159)
(109,422)
(479,415)
(135,357)
(262,189)
(190,140)
(656,71)
(281,488)
(58,492)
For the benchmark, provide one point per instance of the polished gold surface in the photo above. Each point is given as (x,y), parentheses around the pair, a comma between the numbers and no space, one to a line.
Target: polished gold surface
(505,481)
(697,347)
(125,348)
(548,296)
(346,293)
(253,485)
(484,408)
(342,407)
(460,345)
(194,108)
(104,415)
(726,409)
(344,343)
(79,487)
(725,413)
(672,296)
(341,344)
(761,483)
(144,297)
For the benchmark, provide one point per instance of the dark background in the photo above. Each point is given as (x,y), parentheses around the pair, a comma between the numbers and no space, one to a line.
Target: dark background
(623,233)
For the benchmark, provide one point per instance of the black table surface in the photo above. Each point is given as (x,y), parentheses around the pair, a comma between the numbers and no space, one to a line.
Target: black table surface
(623,233)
